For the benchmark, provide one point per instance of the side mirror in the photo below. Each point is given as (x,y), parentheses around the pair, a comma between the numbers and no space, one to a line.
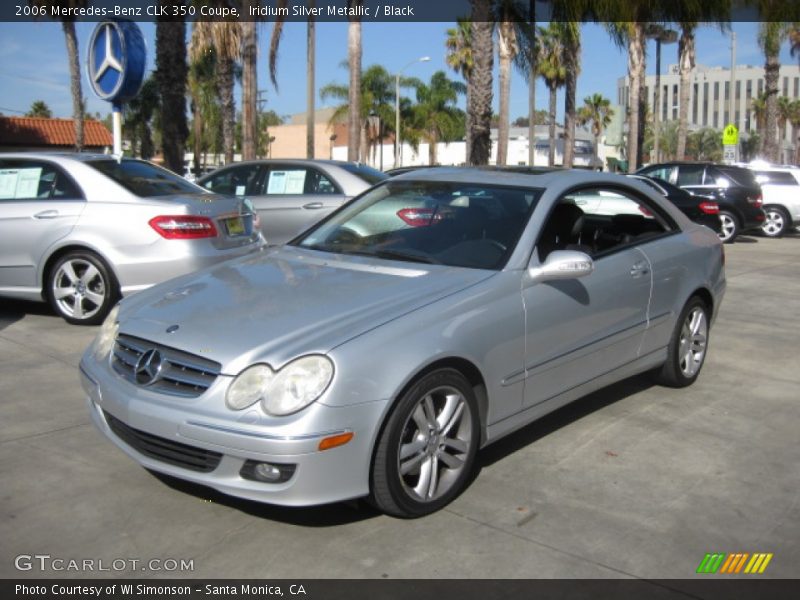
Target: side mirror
(562,264)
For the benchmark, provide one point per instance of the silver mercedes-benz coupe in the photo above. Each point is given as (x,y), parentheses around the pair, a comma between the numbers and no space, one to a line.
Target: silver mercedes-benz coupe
(79,230)
(375,354)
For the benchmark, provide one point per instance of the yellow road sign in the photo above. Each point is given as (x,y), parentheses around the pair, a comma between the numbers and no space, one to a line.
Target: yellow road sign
(730,135)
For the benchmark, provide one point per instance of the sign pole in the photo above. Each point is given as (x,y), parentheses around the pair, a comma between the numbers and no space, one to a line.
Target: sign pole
(116,122)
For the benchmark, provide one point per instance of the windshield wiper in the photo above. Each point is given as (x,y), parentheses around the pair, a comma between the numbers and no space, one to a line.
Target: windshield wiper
(407,256)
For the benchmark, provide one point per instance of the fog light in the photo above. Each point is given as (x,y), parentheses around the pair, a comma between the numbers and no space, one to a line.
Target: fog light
(266,472)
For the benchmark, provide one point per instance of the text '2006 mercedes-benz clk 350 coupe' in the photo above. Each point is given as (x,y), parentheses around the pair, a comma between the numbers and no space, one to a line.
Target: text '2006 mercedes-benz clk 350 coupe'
(376,353)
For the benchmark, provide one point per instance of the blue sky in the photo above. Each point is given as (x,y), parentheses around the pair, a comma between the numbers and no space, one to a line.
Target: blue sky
(33,62)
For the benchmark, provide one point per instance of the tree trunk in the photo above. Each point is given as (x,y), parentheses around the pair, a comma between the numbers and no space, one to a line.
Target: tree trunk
(310,92)
(354,92)
(635,76)
(228,104)
(468,120)
(249,89)
(171,74)
(75,81)
(686,59)
(532,91)
(551,130)
(770,136)
(481,108)
(504,59)
(569,117)
(432,150)
(197,128)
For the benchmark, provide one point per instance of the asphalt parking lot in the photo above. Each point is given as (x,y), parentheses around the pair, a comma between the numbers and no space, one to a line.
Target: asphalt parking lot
(634,481)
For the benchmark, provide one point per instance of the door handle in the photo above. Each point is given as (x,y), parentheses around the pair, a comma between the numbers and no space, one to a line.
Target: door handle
(313,205)
(639,269)
(46,214)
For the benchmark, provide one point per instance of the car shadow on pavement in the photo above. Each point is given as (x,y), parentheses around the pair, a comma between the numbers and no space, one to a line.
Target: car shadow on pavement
(570,413)
(746,239)
(328,515)
(12,311)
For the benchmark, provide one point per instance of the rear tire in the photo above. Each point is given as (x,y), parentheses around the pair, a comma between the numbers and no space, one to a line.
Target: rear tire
(776,223)
(729,230)
(81,288)
(426,451)
(688,346)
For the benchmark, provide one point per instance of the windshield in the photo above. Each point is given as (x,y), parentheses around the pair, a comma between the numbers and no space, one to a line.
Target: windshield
(455,224)
(144,179)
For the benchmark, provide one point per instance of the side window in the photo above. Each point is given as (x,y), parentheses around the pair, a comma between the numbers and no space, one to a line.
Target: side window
(690,175)
(660,172)
(236,181)
(609,219)
(775,178)
(26,180)
(317,183)
(292,180)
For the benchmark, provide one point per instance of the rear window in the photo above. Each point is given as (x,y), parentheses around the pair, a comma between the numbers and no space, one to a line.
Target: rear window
(368,174)
(144,179)
(775,178)
(743,177)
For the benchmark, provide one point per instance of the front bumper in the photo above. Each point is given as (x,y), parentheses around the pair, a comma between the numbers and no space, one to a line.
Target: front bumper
(206,427)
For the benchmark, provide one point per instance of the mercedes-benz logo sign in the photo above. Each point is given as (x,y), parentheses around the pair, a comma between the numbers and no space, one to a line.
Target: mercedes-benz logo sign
(148,367)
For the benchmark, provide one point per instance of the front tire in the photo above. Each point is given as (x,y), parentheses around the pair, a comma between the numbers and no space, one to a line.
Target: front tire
(777,220)
(687,348)
(81,288)
(426,451)
(729,230)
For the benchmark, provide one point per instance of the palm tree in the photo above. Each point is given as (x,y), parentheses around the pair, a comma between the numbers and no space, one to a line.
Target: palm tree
(39,109)
(794,121)
(459,57)
(553,69)
(376,98)
(771,34)
(784,106)
(71,39)
(204,105)
(141,116)
(249,84)
(572,48)
(479,89)
(705,145)
(311,28)
(631,35)
(435,114)
(759,107)
(596,110)
(509,20)
(354,52)
(171,76)
(223,40)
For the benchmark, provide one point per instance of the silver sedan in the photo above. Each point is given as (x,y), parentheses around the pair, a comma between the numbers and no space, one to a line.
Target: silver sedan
(377,353)
(290,195)
(79,230)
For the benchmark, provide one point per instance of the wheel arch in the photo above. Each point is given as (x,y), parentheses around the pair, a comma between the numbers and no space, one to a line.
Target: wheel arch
(63,250)
(466,368)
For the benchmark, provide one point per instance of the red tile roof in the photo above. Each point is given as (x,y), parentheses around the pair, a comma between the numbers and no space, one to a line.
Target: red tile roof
(37,131)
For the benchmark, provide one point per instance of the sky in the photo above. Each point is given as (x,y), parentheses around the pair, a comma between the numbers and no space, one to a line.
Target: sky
(33,62)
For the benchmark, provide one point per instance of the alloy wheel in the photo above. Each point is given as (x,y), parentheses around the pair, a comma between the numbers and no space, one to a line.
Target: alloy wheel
(693,342)
(79,289)
(434,444)
(774,223)
(728,227)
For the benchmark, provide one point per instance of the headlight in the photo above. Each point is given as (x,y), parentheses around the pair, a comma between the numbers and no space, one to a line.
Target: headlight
(292,388)
(298,384)
(249,387)
(105,339)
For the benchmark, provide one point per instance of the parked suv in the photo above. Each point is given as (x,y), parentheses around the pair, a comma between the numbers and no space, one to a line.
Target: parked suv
(735,189)
(781,189)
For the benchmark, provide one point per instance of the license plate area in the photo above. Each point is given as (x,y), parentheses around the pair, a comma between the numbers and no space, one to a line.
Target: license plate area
(234,226)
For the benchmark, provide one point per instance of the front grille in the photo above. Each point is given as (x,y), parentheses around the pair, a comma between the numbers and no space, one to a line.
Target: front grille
(164,450)
(182,374)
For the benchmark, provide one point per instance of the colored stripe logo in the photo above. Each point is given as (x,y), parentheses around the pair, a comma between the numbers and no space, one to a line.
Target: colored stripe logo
(735,563)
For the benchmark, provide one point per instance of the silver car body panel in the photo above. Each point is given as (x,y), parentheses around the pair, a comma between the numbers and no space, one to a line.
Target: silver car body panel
(112,222)
(529,347)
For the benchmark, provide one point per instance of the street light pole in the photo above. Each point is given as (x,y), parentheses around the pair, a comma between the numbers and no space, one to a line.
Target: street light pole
(397,145)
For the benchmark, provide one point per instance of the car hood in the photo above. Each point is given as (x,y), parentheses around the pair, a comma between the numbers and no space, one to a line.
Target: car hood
(285,302)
